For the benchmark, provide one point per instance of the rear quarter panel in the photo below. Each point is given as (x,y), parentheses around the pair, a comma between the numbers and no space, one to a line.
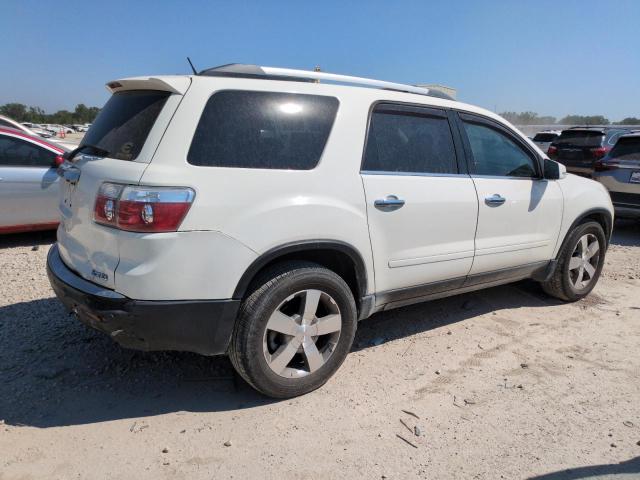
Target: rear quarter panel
(263,209)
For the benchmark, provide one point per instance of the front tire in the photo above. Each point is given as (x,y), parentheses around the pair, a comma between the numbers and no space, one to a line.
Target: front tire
(579,263)
(294,329)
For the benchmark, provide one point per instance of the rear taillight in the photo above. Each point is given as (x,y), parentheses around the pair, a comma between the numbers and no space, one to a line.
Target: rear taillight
(552,150)
(105,210)
(59,160)
(599,152)
(142,209)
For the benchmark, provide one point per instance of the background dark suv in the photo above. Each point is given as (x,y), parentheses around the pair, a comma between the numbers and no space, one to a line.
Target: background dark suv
(578,148)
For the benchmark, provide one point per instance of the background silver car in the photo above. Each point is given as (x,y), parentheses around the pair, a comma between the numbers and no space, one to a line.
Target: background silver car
(619,171)
(29,184)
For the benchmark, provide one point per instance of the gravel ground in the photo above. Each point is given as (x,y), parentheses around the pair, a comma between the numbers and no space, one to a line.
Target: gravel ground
(506,383)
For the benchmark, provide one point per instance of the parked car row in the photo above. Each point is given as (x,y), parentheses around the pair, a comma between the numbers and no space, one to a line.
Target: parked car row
(55,129)
(610,155)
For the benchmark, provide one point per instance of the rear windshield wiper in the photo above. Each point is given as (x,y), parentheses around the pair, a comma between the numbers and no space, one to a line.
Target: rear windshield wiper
(99,151)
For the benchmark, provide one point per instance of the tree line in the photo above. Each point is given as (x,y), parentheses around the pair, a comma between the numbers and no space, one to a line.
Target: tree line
(23,113)
(532,118)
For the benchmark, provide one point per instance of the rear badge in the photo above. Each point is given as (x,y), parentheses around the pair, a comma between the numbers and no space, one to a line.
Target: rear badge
(100,275)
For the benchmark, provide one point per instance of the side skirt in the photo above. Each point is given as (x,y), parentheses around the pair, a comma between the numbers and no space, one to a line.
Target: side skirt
(433,291)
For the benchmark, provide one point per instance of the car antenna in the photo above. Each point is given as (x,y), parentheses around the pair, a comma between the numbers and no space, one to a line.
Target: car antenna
(192,67)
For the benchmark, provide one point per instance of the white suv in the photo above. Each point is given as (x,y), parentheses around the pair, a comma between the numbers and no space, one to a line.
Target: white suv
(262,212)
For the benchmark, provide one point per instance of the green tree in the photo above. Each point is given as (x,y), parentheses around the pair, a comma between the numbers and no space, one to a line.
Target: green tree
(528,118)
(16,111)
(585,120)
(629,121)
(36,115)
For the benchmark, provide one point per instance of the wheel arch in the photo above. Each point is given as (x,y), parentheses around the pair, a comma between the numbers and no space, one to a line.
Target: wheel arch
(599,215)
(340,257)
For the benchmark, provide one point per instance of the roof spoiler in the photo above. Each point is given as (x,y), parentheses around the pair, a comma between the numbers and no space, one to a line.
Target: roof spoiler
(174,84)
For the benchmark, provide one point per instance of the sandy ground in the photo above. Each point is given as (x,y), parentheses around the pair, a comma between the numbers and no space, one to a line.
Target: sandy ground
(506,383)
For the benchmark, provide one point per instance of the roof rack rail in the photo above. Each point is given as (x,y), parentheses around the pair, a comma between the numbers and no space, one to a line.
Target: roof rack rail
(239,70)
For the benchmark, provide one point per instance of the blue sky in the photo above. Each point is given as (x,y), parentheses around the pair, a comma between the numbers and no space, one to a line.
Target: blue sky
(552,57)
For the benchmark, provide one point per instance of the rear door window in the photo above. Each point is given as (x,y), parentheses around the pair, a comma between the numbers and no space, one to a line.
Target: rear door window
(20,153)
(268,130)
(123,124)
(409,140)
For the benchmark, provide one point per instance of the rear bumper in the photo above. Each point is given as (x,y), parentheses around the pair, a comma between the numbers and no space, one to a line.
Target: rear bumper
(201,326)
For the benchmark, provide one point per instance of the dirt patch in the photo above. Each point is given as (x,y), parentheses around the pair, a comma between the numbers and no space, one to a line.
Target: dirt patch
(504,383)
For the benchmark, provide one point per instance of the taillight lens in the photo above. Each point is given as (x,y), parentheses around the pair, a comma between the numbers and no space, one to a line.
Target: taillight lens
(599,152)
(105,210)
(142,209)
(552,150)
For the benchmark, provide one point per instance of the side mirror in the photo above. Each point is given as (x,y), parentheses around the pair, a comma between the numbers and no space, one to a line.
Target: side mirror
(554,170)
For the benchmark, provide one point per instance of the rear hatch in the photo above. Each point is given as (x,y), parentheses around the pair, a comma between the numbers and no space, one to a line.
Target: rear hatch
(579,148)
(117,148)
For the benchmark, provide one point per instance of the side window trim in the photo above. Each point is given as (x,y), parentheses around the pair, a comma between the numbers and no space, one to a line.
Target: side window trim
(404,108)
(490,123)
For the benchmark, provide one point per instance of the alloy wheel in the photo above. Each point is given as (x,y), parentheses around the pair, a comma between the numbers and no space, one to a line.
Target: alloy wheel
(302,333)
(584,261)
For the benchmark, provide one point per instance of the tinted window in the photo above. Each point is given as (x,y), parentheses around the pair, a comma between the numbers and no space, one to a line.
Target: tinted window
(19,153)
(615,135)
(123,124)
(627,149)
(409,142)
(580,138)
(4,123)
(494,153)
(263,130)
(544,137)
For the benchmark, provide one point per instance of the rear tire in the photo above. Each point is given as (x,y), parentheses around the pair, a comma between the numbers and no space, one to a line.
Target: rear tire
(579,263)
(294,329)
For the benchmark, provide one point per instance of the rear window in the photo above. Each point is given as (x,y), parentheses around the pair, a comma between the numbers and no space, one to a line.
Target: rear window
(545,137)
(270,130)
(123,124)
(580,138)
(627,149)
(417,141)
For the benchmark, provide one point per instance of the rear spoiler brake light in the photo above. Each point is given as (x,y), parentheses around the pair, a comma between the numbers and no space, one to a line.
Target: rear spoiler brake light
(176,84)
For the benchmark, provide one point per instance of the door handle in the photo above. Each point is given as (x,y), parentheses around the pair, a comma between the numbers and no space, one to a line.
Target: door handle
(495,200)
(392,202)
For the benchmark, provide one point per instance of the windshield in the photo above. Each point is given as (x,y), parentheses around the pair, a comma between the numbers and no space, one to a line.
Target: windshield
(545,137)
(124,123)
(580,138)
(627,149)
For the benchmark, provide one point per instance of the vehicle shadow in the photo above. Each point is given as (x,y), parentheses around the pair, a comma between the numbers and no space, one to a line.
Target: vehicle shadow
(403,322)
(611,471)
(54,371)
(45,237)
(626,233)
